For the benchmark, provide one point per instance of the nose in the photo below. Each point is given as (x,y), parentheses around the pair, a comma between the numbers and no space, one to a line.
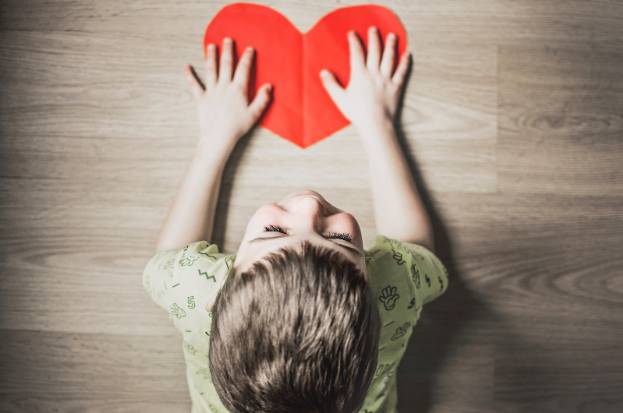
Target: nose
(308,210)
(309,205)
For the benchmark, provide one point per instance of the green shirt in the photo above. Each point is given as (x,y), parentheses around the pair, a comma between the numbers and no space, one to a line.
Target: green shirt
(403,277)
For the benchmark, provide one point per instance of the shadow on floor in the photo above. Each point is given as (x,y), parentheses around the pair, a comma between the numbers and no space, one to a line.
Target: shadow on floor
(442,330)
(441,321)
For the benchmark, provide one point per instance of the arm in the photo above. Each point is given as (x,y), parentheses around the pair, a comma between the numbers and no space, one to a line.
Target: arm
(393,188)
(191,214)
(224,117)
(370,102)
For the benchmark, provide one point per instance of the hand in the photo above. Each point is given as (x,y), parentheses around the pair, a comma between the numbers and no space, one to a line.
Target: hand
(222,108)
(373,92)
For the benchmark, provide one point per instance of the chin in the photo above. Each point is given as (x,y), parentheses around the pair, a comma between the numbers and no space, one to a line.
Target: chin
(303,192)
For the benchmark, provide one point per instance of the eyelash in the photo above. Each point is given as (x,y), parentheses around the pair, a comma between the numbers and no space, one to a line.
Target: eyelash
(341,235)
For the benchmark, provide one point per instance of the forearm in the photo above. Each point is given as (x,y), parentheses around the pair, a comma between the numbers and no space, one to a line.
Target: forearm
(191,214)
(398,209)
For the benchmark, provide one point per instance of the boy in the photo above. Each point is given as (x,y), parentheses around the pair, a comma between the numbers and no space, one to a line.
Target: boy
(301,318)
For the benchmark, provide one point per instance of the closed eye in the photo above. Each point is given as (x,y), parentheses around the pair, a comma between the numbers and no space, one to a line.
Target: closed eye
(341,235)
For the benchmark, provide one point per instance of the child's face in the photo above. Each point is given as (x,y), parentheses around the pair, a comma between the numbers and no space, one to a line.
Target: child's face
(303,216)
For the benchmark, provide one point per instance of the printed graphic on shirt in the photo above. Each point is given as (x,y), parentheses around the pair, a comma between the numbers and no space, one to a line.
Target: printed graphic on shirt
(384,369)
(207,276)
(190,302)
(415,275)
(397,256)
(389,296)
(400,331)
(177,311)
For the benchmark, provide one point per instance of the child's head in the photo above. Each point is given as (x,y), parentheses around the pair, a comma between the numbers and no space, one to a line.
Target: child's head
(303,215)
(295,327)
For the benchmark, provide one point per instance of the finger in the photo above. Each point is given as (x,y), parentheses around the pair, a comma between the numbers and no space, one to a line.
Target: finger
(356,52)
(210,64)
(387,63)
(374,51)
(401,70)
(241,77)
(260,101)
(195,87)
(225,66)
(331,85)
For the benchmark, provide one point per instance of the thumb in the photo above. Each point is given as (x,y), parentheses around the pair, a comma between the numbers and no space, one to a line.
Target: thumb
(331,85)
(260,101)
(193,83)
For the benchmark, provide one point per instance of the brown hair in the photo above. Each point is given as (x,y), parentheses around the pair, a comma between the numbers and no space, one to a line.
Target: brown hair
(297,335)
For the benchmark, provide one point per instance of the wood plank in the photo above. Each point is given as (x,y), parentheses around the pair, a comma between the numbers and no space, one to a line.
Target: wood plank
(513,118)
(561,119)
(55,371)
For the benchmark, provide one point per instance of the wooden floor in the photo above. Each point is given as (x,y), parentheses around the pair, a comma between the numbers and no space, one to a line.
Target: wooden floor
(513,119)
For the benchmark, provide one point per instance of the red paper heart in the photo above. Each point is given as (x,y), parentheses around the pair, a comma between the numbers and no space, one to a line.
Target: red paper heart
(300,111)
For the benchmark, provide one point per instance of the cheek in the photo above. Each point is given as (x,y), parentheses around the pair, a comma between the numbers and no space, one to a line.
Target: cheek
(347,221)
(265,215)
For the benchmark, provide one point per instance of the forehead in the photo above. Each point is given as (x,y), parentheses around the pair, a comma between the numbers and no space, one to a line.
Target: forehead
(260,248)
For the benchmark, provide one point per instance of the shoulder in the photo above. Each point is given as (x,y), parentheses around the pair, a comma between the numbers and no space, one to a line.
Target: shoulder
(197,254)
(192,273)
(421,268)
(204,254)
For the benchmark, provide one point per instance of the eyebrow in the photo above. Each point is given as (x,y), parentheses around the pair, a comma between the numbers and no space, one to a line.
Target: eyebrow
(348,247)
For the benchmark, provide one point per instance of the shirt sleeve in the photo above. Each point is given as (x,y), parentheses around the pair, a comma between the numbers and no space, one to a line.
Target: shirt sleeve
(426,273)
(184,282)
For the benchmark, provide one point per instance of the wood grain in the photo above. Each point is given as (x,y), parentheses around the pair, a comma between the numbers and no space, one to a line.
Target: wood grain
(513,122)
